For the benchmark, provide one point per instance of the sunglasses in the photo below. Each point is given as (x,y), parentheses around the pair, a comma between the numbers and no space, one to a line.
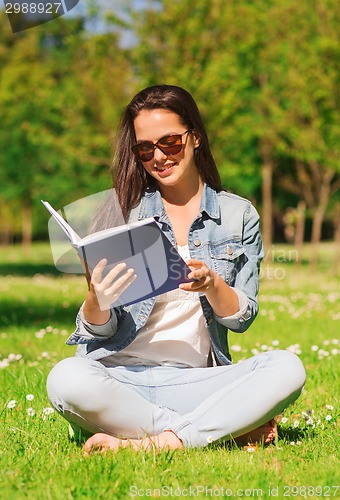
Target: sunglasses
(169,145)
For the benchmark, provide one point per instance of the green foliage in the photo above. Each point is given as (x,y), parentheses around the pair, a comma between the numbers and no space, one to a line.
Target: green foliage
(265,75)
(37,309)
(60,102)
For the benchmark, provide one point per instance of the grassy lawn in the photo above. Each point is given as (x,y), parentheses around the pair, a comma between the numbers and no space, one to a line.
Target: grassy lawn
(299,311)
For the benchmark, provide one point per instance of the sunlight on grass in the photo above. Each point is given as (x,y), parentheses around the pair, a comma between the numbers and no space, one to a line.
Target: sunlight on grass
(299,311)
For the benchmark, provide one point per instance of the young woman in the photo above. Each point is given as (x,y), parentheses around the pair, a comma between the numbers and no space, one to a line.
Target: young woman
(158,374)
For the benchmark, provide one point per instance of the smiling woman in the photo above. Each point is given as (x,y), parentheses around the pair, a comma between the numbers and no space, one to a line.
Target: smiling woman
(158,373)
(168,160)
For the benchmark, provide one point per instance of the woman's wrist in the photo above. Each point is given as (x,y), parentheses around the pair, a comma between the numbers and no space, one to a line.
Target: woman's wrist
(92,312)
(222,298)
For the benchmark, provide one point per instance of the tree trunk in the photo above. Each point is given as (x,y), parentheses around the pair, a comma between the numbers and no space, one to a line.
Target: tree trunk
(300,231)
(316,237)
(318,216)
(7,236)
(336,241)
(267,199)
(27,225)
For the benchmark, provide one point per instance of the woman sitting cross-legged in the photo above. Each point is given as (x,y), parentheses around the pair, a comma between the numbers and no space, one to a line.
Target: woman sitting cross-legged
(158,373)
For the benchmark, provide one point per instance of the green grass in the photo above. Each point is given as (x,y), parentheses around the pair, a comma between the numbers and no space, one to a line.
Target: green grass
(299,310)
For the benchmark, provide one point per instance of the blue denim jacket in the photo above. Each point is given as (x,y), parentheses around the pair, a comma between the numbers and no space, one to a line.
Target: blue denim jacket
(226,236)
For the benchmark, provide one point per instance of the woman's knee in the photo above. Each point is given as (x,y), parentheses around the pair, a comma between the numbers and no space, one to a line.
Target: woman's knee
(68,379)
(290,369)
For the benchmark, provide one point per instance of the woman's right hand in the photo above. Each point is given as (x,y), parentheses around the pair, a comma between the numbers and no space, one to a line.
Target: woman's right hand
(105,291)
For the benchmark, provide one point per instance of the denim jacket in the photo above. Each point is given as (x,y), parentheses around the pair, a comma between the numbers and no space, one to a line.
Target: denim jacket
(226,236)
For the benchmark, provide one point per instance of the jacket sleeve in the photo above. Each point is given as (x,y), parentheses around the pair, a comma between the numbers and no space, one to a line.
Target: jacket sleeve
(86,332)
(247,278)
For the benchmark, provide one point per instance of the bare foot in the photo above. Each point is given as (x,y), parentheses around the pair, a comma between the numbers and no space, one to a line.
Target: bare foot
(103,442)
(266,433)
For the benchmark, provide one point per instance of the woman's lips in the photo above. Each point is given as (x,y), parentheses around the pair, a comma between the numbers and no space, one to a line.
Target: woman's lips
(165,170)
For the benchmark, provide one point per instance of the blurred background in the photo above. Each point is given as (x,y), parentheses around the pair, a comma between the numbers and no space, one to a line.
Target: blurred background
(265,75)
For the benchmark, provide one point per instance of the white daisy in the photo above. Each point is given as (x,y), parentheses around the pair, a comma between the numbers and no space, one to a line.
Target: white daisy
(48,411)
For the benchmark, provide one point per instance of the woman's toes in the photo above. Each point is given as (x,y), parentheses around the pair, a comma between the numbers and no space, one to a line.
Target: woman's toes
(266,433)
(101,442)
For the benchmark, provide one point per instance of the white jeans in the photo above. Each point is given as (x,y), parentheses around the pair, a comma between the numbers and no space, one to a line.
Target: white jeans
(199,405)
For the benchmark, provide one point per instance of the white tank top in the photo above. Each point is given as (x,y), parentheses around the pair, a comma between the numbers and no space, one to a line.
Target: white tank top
(174,335)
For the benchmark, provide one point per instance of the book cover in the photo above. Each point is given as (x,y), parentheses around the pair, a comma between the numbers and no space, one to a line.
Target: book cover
(141,245)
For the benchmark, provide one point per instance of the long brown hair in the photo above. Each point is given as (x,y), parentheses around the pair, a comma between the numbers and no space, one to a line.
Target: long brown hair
(130,179)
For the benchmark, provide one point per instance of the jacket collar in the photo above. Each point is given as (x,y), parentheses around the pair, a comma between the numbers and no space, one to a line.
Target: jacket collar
(152,204)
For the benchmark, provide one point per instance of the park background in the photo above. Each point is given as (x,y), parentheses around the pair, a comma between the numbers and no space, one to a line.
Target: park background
(266,77)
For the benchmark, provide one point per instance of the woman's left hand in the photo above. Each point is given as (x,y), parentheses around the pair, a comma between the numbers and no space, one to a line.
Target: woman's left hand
(204,277)
(221,296)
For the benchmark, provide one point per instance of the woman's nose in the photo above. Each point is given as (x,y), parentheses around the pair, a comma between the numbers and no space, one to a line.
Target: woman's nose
(159,156)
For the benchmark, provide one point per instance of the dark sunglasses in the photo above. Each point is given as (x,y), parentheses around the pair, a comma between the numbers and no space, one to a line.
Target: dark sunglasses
(169,145)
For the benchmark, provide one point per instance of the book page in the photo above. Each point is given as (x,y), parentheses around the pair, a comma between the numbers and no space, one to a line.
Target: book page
(106,233)
(94,217)
(70,233)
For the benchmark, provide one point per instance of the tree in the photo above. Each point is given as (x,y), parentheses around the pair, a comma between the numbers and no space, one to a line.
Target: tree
(311,123)
(60,97)
(23,80)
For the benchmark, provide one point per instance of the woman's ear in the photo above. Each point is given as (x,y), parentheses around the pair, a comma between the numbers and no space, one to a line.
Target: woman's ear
(197,139)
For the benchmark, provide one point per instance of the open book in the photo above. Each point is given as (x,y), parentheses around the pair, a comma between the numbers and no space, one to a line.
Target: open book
(141,245)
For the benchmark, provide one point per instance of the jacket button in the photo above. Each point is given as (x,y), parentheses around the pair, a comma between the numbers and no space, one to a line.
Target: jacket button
(229,250)
(197,243)
(210,320)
